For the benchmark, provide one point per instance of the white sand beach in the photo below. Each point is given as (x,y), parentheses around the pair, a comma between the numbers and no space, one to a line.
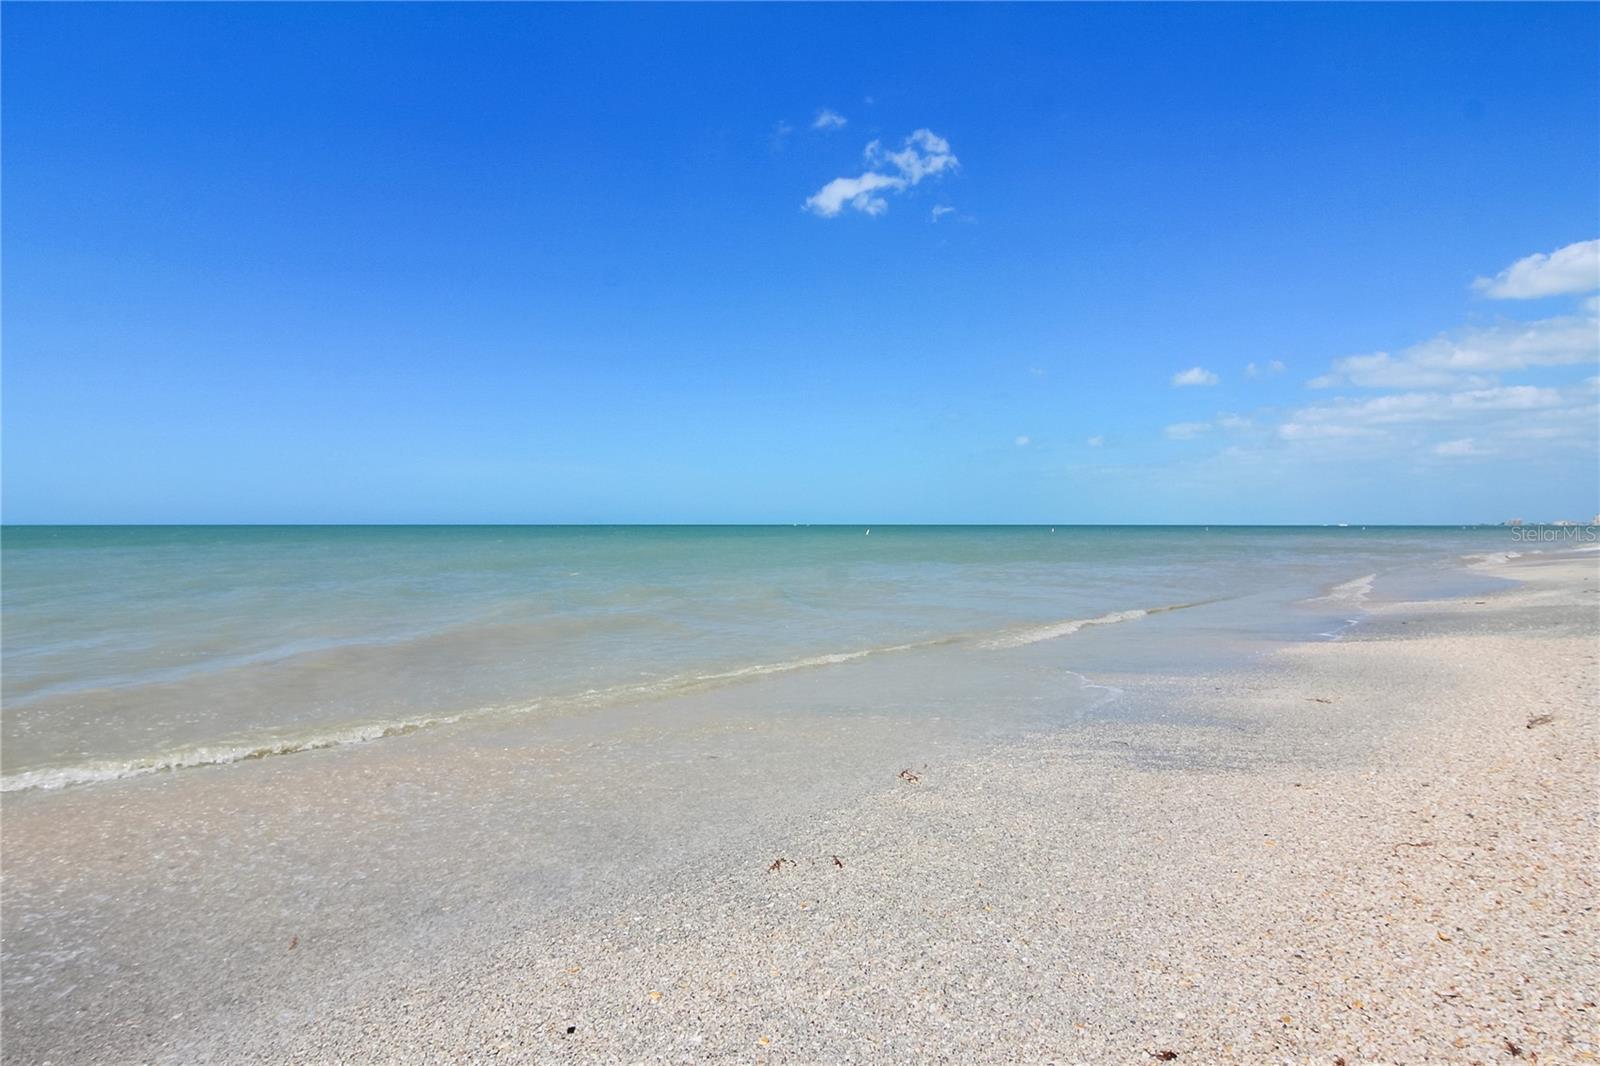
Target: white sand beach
(1378,849)
(799,534)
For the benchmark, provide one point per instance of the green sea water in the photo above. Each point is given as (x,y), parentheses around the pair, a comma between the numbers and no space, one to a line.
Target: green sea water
(129,650)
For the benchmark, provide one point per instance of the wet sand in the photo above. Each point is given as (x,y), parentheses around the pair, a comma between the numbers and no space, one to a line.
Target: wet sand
(1381,848)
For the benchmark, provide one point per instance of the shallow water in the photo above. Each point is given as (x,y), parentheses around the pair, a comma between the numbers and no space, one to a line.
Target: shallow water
(138,649)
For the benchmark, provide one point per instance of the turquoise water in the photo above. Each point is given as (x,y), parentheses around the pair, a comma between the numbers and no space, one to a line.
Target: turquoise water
(134,649)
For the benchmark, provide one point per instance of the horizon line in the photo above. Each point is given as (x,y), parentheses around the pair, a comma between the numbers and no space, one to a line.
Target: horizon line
(1503,524)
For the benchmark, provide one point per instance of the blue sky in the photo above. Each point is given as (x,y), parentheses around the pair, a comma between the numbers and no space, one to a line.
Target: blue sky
(830,263)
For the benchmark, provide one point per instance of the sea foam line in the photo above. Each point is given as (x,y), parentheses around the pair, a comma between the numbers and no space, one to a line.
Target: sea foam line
(1492,559)
(211,755)
(221,754)
(224,753)
(830,659)
(1353,592)
(1034,634)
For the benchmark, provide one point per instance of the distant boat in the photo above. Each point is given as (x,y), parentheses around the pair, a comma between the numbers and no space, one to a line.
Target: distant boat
(1344,525)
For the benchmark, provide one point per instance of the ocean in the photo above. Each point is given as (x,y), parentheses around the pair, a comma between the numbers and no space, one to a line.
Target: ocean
(136,650)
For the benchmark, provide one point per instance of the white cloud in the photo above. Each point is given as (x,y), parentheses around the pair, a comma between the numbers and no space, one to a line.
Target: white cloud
(1456,448)
(1573,269)
(1427,406)
(1194,376)
(1502,411)
(1225,420)
(1323,431)
(828,119)
(832,198)
(941,210)
(1023,441)
(1471,357)
(1095,441)
(923,154)
(1453,397)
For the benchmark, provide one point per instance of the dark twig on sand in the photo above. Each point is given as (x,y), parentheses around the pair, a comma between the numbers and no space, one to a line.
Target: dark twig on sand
(1411,844)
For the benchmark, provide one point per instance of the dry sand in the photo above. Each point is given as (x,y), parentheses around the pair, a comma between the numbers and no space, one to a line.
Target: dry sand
(1381,849)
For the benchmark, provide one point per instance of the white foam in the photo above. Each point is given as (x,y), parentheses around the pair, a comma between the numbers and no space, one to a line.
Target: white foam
(1035,634)
(1338,634)
(811,661)
(1111,691)
(221,754)
(1354,591)
(210,755)
(1493,559)
(224,753)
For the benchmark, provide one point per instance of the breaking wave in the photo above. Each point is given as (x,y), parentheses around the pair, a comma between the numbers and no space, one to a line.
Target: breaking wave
(1353,592)
(1017,638)
(225,752)
(211,755)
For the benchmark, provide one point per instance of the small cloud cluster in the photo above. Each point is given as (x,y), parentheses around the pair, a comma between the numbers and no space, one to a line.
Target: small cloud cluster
(1225,420)
(1195,375)
(1451,449)
(1573,269)
(922,155)
(1519,412)
(828,119)
(1470,357)
(1445,399)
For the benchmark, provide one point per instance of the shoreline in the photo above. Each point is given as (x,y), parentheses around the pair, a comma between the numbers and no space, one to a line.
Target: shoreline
(177,697)
(1282,913)
(1271,877)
